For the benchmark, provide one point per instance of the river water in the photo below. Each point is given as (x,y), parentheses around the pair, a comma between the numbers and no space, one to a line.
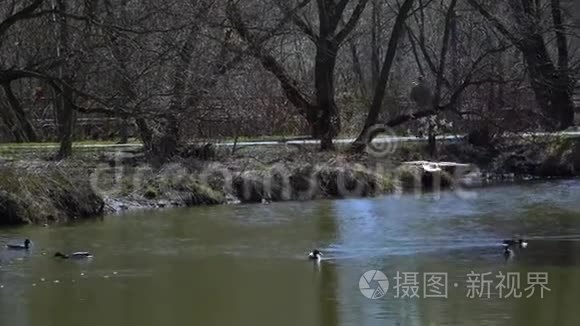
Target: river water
(245,264)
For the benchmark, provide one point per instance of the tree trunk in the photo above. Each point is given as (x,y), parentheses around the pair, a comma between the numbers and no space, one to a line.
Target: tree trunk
(432,142)
(124,131)
(326,123)
(553,88)
(323,115)
(449,25)
(562,100)
(380,89)
(564,92)
(65,122)
(15,130)
(375,48)
(166,145)
(27,128)
(146,134)
(561,39)
(65,113)
(358,71)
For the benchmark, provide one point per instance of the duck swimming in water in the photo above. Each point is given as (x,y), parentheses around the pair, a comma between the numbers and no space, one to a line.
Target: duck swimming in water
(315,255)
(520,242)
(508,253)
(24,246)
(74,255)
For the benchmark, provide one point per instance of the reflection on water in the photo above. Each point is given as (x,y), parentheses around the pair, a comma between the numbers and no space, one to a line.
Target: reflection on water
(245,265)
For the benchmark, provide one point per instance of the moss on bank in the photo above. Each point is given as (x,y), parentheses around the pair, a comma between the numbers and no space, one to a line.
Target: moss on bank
(30,197)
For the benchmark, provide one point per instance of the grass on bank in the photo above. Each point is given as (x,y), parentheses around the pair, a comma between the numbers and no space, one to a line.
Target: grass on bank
(55,191)
(44,196)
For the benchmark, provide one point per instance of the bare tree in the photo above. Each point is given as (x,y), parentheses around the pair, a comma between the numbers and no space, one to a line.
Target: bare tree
(553,84)
(433,48)
(321,111)
(183,68)
(21,126)
(383,78)
(65,113)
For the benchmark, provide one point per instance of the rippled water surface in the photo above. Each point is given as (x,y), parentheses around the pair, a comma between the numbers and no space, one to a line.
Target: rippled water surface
(245,265)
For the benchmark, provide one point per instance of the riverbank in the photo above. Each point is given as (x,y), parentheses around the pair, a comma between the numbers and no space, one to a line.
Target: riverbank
(36,191)
(29,196)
